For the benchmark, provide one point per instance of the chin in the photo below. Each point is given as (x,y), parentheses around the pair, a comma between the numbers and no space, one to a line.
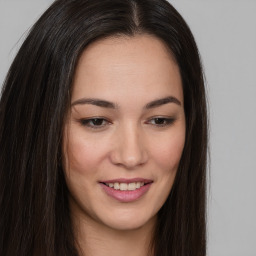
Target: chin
(128,221)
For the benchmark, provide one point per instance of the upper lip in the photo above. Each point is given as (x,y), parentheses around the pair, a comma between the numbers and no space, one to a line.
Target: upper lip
(124,180)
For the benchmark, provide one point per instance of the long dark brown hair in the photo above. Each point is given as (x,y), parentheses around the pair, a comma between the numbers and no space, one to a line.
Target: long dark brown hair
(34,210)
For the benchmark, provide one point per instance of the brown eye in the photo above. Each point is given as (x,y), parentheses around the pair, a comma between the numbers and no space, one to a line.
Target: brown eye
(94,123)
(161,121)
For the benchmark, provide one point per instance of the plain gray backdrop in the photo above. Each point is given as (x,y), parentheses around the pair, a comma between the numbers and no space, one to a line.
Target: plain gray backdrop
(225,31)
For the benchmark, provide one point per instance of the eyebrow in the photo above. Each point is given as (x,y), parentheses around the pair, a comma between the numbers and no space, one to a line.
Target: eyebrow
(163,101)
(108,104)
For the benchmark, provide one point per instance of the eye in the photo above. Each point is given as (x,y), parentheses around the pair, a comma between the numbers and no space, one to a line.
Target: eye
(94,123)
(161,121)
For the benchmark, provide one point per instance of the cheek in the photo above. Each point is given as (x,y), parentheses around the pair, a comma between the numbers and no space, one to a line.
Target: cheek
(167,157)
(82,163)
(82,155)
(167,154)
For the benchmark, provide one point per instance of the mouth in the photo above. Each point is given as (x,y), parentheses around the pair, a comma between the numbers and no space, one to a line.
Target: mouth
(126,190)
(131,186)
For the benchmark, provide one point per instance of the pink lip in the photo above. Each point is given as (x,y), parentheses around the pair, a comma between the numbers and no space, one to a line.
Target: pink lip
(129,195)
(122,180)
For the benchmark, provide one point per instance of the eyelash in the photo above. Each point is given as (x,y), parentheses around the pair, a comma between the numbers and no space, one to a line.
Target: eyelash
(88,122)
(167,121)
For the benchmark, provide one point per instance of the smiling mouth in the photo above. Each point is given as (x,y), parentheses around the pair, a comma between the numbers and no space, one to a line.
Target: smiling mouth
(126,186)
(126,190)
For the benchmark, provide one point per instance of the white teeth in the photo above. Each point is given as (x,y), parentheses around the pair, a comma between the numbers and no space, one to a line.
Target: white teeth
(116,185)
(131,186)
(125,186)
(137,184)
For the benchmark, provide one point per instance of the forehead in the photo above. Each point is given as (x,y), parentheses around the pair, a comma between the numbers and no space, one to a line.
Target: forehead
(127,66)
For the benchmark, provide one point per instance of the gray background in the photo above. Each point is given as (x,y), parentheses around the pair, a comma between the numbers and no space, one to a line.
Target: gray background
(226,35)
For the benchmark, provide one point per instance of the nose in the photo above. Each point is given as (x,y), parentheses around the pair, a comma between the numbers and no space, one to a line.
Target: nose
(129,148)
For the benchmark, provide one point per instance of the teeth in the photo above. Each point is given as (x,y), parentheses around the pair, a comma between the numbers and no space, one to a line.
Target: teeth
(125,186)
(137,184)
(131,186)
(116,185)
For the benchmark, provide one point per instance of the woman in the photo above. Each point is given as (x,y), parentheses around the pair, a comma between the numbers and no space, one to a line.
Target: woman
(104,134)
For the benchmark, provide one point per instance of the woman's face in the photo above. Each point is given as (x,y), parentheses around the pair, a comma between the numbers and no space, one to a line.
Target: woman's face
(126,131)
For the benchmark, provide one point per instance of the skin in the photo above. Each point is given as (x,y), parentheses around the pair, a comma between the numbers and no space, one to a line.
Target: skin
(128,143)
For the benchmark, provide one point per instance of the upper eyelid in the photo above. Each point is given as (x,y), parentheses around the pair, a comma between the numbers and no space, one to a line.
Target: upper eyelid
(93,118)
(170,119)
(93,127)
(106,119)
(87,120)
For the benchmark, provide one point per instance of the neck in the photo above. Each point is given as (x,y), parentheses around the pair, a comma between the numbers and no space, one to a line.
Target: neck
(96,239)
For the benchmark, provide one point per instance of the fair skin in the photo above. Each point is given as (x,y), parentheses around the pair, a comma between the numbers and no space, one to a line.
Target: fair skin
(126,126)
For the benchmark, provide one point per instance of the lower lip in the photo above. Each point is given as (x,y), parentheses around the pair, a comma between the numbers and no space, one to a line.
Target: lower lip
(127,195)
